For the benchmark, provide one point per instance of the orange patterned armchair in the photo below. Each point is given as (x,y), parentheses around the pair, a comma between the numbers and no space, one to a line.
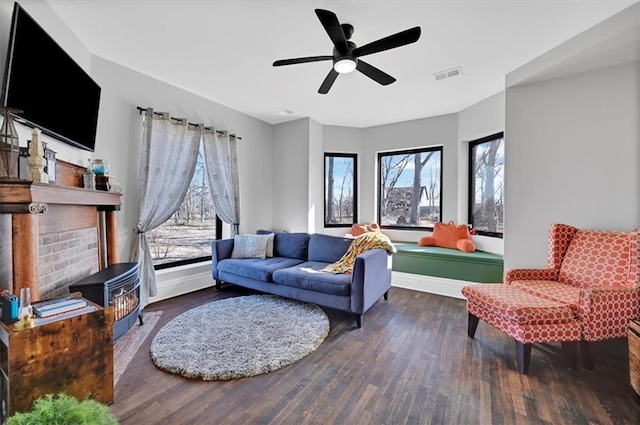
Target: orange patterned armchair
(595,273)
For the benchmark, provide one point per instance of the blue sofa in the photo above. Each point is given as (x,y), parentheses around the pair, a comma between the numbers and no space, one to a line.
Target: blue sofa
(295,272)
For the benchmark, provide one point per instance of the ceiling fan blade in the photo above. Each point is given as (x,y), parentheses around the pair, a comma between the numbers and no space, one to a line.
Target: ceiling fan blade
(329,21)
(302,60)
(396,40)
(328,81)
(374,73)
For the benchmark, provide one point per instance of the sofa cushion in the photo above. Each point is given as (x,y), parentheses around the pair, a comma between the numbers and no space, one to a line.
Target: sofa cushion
(309,275)
(249,246)
(259,269)
(272,236)
(291,245)
(326,248)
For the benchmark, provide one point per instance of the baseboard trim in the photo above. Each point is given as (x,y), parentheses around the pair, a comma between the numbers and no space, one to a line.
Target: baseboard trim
(173,284)
(431,284)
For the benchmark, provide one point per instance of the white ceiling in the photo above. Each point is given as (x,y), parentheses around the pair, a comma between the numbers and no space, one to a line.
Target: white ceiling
(224,50)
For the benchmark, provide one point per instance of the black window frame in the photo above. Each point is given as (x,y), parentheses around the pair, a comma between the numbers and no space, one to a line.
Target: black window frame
(471,183)
(353,156)
(402,152)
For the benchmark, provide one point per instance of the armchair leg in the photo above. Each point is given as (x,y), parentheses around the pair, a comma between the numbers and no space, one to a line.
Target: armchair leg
(586,359)
(472,325)
(523,352)
(359,320)
(386,295)
(570,351)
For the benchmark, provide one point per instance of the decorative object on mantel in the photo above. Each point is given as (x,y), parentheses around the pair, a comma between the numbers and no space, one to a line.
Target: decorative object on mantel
(114,185)
(50,168)
(100,166)
(101,169)
(89,177)
(23,167)
(36,159)
(9,145)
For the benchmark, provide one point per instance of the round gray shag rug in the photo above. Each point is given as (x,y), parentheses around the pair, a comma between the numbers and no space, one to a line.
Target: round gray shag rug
(239,337)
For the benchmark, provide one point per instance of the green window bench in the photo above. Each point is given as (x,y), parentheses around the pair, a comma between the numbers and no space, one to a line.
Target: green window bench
(479,266)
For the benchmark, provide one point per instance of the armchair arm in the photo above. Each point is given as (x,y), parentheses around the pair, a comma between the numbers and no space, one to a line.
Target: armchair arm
(370,280)
(530,274)
(220,250)
(605,311)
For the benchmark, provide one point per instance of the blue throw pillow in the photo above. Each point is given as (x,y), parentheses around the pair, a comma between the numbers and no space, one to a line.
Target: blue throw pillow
(326,248)
(291,245)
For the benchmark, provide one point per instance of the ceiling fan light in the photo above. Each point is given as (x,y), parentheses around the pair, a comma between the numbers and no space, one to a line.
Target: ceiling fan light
(344,66)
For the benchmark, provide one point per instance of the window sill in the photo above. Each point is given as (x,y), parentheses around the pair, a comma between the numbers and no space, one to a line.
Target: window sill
(184,269)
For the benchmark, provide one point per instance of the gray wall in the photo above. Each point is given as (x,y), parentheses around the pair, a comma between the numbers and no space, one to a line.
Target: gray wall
(291,175)
(573,156)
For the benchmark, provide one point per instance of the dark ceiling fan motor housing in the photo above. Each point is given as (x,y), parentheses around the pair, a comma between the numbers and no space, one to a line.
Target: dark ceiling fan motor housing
(340,34)
(337,56)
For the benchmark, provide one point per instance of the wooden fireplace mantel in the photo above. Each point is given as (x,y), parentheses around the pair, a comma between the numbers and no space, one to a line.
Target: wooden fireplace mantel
(19,195)
(40,208)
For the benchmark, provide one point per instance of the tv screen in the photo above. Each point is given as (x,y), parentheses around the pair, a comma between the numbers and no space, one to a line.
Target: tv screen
(42,80)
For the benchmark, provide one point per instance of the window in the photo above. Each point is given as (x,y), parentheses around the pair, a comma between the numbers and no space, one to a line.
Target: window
(340,186)
(186,236)
(486,185)
(410,188)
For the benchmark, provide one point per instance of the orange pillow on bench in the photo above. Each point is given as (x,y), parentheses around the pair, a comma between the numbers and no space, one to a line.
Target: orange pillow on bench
(448,235)
(359,229)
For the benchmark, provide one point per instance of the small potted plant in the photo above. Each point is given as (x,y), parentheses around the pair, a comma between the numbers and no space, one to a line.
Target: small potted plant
(63,409)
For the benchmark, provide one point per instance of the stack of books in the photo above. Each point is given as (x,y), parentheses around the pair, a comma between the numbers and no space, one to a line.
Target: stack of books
(60,308)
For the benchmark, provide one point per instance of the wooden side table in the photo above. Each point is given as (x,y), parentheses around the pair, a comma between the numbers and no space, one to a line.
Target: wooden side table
(634,354)
(72,355)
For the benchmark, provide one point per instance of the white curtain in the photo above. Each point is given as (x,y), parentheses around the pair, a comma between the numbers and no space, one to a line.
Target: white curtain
(168,160)
(221,159)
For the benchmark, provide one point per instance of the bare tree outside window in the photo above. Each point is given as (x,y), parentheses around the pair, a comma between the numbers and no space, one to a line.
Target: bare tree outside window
(410,188)
(340,183)
(486,185)
(187,235)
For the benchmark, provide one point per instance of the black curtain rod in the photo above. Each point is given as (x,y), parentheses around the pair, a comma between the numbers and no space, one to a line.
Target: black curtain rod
(141,110)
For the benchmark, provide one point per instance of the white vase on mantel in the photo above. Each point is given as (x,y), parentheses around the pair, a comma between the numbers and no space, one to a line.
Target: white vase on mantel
(36,159)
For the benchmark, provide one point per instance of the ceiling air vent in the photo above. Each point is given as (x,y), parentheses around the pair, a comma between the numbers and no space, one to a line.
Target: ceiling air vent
(448,73)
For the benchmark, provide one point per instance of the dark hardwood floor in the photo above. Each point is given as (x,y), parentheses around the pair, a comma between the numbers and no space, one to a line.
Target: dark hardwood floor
(411,363)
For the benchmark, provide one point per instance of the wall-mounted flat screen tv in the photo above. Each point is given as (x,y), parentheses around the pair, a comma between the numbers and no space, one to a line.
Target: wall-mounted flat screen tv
(42,80)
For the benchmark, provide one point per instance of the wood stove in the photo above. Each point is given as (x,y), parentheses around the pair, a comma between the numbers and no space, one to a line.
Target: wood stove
(116,286)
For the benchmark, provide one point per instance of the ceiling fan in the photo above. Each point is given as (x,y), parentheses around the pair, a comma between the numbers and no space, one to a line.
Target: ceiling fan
(346,55)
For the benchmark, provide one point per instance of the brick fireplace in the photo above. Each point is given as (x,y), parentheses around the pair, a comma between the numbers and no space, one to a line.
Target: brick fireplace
(54,234)
(66,257)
